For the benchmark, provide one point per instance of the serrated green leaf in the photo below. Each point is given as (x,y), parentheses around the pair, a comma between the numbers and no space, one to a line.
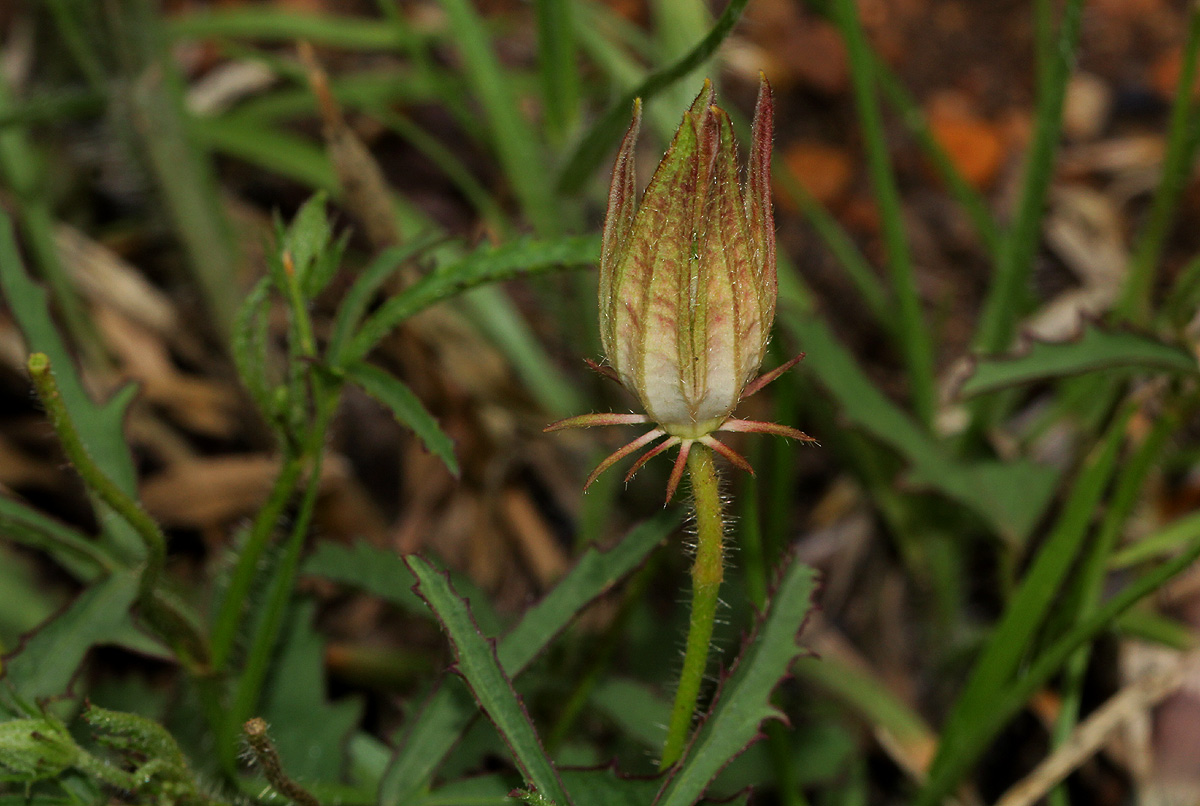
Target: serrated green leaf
(744,700)
(489,264)
(309,731)
(370,280)
(407,409)
(99,425)
(1093,349)
(46,663)
(479,665)
(248,344)
(309,233)
(443,719)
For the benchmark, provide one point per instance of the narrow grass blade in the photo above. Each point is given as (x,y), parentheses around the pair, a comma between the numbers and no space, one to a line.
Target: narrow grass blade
(183,173)
(1094,349)
(480,667)
(489,264)
(80,555)
(1005,301)
(440,723)
(743,701)
(973,204)
(354,305)
(916,344)
(100,426)
(245,139)
(407,409)
(363,566)
(1183,137)
(956,758)
(1008,643)
(606,131)
(514,140)
(281,25)
(557,65)
(1010,496)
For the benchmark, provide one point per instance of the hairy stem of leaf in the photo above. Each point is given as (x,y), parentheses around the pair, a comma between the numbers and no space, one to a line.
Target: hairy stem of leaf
(707,573)
(179,634)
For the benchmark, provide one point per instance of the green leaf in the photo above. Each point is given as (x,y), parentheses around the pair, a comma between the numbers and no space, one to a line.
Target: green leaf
(248,343)
(744,700)
(607,787)
(99,425)
(480,667)
(1094,349)
(354,305)
(441,722)
(489,264)
(310,732)
(79,554)
(247,139)
(997,665)
(361,565)
(955,758)
(268,24)
(47,662)
(1010,497)
(406,407)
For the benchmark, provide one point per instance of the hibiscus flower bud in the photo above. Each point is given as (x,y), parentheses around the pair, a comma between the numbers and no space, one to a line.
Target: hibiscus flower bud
(687,275)
(688,287)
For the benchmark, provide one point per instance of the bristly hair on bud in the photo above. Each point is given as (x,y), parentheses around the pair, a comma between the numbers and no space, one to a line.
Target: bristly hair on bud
(688,285)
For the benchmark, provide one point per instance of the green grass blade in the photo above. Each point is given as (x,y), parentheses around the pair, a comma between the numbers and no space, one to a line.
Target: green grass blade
(870,287)
(1089,579)
(488,264)
(20,169)
(1094,349)
(1183,137)
(973,204)
(601,138)
(479,665)
(1005,301)
(956,759)
(287,26)
(997,664)
(244,138)
(743,702)
(354,305)
(100,426)
(406,407)
(1010,497)
(363,566)
(81,556)
(557,66)
(446,715)
(916,344)
(514,140)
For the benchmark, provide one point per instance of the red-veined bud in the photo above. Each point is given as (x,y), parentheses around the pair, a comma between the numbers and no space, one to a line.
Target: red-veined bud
(687,275)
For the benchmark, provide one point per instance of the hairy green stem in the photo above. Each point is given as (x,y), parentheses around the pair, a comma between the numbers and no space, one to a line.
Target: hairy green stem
(707,573)
(229,617)
(170,625)
(255,731)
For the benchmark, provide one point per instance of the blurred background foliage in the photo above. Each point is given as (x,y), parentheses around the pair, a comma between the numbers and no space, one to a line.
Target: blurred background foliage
(987,252)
